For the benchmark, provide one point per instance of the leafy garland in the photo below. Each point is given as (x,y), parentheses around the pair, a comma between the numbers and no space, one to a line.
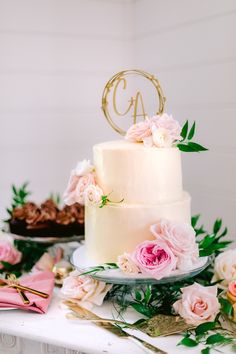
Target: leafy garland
(155,301)
(186,144)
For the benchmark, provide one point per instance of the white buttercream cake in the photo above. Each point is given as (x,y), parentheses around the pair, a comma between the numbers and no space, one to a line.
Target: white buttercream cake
(149,179)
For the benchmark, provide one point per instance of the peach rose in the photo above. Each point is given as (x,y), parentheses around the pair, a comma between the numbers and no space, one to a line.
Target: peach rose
(69,195)
(9,254)
(198,304)
(225,268)
(126,264)
(84,290)
(154,258)
(181,239)
(92,195)
(137,132)
(232,287)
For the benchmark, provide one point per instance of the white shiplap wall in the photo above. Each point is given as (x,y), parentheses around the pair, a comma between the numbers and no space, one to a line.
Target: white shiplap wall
(191,46)
(55,57)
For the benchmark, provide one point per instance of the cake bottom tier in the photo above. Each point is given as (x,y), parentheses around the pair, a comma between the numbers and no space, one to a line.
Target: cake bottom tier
(115,229)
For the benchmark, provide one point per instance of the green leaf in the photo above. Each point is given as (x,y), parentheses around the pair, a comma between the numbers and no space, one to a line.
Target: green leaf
(194,220)
(192,131)
(196,147)
(204,327)
(207,241)
(185,148)
(184,130)
(224,233)
(138,295)
(142,309)
(226,306)
(14,189)
(217,226)
(188,342)
(148,295)
(205,350)
(215,338)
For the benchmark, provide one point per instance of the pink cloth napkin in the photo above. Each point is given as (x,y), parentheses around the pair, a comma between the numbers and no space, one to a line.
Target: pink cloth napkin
(42,281)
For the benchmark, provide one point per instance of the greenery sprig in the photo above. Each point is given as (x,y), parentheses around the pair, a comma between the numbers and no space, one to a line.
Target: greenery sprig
(105,200)
(19,196)
(186,144)
(100,268)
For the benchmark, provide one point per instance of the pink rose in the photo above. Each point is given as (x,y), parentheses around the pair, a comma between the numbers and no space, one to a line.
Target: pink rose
(232,287)
(154,258)
(47,261)
(83,169)
(168,123)
(137,132)
(69,194)
(180,238)
(9,254)
(93,195)
(83,183)
(84,290)
(198,304)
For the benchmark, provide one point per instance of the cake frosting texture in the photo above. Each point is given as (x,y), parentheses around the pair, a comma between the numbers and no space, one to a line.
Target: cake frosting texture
(149,179)
(137,173)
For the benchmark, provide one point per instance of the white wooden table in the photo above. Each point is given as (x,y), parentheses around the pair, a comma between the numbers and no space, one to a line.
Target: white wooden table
(29,333)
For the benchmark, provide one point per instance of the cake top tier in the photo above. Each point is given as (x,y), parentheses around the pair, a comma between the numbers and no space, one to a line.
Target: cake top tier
(138,174)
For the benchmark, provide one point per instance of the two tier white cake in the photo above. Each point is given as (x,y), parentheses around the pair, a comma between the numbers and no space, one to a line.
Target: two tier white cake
(149,179)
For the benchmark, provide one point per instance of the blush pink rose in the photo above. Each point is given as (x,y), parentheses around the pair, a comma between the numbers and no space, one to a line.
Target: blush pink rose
(69,194)
(84,290)
(139,131)
(9,254)
(180,238)
(47,261)
(232,287)
(154,258)
(83,183)
(168,123)
(93,195)
(198,304)
(83,169)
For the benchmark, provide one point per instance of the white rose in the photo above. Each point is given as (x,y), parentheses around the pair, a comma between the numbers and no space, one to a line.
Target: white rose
(126,264)
(161,137)
(83,168)
(92,195)
(84,290)
(225,268)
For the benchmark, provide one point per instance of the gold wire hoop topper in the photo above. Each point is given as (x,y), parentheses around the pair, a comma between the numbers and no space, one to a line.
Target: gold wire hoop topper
(134,102)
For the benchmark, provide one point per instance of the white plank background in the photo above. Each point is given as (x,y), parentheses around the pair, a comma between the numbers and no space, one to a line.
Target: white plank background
(56,56)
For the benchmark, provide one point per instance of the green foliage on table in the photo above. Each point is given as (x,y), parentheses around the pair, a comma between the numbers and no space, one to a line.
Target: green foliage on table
(186,144)
(31,253)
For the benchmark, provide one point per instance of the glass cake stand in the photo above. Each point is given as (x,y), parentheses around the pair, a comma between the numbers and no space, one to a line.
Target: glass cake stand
(81,262)
(48,240)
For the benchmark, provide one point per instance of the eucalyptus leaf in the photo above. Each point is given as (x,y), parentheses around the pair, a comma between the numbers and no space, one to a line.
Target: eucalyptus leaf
(206,350)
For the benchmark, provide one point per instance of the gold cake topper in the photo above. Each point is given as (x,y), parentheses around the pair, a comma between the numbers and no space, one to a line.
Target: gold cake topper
(135,102)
